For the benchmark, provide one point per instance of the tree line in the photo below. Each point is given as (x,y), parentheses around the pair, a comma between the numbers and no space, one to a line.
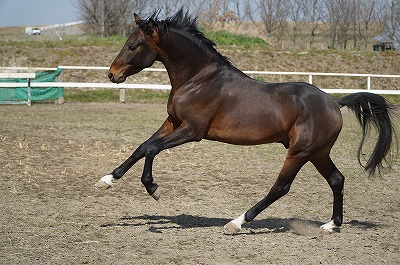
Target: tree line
(344,23)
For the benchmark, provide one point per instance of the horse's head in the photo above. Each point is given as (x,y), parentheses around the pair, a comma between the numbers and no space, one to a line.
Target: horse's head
(140,51)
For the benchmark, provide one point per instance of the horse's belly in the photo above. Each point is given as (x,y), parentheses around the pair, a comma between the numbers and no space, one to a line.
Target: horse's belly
(247,135)
(251,121)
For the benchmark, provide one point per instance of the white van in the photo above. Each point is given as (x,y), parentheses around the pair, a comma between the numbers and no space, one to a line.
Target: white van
(32,31)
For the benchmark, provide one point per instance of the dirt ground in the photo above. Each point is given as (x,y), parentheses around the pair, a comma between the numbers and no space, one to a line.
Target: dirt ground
(51,156)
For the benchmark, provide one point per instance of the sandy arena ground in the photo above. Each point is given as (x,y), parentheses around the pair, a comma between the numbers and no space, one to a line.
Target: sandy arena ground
(51,156)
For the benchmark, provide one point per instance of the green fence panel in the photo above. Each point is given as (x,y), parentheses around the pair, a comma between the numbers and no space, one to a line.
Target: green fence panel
(37,94)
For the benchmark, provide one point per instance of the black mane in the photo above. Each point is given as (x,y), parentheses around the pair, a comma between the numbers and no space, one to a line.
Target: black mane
(187,23)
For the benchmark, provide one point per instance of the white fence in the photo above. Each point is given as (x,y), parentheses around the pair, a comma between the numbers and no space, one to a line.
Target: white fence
(310,76)
(123,86)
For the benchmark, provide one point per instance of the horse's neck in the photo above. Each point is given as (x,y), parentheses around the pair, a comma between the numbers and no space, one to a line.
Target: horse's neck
(183,58)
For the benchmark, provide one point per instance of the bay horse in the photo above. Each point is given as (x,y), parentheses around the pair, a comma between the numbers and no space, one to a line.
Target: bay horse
(211,99)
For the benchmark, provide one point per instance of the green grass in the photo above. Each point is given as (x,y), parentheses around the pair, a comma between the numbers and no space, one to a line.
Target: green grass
(393,99)
(112,95)
(223,37)
(99,95)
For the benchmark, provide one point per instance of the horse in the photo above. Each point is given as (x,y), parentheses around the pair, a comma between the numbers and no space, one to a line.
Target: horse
(211,99)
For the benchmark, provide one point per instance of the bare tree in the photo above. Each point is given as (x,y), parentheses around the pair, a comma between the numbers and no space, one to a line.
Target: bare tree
(142,7)
(392,21)
(221,11)
(312,10)
(168,8)
(339,19)
(274,16)
(112,17)
(250,9)
(105,17)
(364,17)
(344,20)
(296,17)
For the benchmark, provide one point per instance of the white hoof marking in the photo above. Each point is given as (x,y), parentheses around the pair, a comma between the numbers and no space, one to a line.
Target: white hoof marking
(328,227)
(105,182)
(234,226)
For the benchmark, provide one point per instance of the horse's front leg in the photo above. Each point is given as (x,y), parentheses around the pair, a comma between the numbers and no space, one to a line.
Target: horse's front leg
(180,136)
(107,181)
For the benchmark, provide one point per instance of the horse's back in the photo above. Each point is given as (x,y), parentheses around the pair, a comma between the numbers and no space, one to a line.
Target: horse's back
(301,99)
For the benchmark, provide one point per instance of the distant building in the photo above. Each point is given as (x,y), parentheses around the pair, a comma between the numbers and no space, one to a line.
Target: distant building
(387,40)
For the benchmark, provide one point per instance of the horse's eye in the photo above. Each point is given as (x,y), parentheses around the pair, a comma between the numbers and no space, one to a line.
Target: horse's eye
(133,47)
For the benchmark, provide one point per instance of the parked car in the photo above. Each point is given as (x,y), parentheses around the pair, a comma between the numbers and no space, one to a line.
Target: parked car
(32,31)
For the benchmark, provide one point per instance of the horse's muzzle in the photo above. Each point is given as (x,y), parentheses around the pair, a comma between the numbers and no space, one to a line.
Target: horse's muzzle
(116,79)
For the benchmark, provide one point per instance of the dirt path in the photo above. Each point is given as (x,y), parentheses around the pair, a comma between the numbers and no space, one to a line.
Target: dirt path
(51,156)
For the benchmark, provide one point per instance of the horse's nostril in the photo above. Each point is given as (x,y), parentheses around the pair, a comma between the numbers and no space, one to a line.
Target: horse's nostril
(110,76)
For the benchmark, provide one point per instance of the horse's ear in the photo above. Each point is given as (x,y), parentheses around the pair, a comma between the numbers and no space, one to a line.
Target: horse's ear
(147,26)
(137,19)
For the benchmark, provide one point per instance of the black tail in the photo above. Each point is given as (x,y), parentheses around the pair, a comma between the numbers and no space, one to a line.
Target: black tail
(372,109)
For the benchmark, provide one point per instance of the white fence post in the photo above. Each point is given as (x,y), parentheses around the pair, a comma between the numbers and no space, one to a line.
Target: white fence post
(369,83)
(59,78)
(122,93)
(29,91)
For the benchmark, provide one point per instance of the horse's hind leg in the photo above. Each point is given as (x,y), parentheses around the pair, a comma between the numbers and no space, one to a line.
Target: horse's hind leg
(335,179)
(281,187)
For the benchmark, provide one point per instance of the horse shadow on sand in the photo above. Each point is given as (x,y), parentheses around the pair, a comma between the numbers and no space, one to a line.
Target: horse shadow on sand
(160,223)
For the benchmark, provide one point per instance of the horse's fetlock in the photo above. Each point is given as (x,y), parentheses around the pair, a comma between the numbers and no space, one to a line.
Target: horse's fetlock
(337,221)
(146,180)
(117,173)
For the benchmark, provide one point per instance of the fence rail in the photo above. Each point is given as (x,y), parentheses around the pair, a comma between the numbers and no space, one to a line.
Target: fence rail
(310,76)
(123,86)
(167,87)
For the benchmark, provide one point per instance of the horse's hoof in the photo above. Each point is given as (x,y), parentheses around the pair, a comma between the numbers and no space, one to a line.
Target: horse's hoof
(105,182)
(231,228)
(102,185)
(329,227)
(156,194)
